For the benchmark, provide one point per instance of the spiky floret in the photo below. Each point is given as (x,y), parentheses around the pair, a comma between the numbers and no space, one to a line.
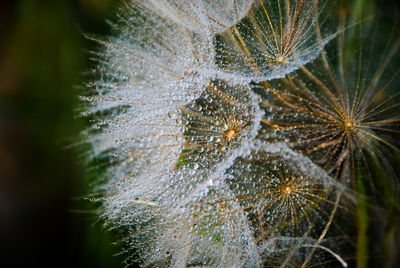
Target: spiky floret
(341,105)
(202,16)
(275,38)
(283,204)
(275,195)
(217,123)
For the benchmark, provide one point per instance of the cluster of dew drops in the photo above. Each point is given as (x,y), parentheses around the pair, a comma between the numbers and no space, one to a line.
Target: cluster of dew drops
(205,161)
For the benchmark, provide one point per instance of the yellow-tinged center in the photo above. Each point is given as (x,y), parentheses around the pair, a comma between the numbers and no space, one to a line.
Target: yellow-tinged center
(288,189)
(349,124)
(280,59)
(230,134)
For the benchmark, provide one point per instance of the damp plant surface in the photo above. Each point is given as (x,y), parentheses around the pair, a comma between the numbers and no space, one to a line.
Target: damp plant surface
(238,133)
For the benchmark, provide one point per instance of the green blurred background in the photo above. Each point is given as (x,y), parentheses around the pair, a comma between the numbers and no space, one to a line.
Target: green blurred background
(43,57)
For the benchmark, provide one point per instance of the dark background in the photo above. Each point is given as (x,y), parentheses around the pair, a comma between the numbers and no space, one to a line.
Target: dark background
(43,57)
(43,220)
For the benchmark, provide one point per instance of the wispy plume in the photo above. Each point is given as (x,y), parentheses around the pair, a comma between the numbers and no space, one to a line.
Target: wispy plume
(275,38)
(234,133)
(203,16)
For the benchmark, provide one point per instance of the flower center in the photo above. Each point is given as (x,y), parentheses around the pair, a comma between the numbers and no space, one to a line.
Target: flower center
(349,124)
(280,59)
(230,134)
(288,190)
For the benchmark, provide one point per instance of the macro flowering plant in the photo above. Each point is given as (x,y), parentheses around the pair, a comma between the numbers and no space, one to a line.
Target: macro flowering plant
(237,133)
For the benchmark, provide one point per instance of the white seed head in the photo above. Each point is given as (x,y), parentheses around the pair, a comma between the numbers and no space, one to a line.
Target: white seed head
(202,16)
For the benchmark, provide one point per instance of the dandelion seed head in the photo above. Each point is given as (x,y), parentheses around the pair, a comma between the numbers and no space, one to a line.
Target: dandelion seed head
(274,196)
(203,168)
(217,122)
(202,16)
(335,113)
(275,38)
